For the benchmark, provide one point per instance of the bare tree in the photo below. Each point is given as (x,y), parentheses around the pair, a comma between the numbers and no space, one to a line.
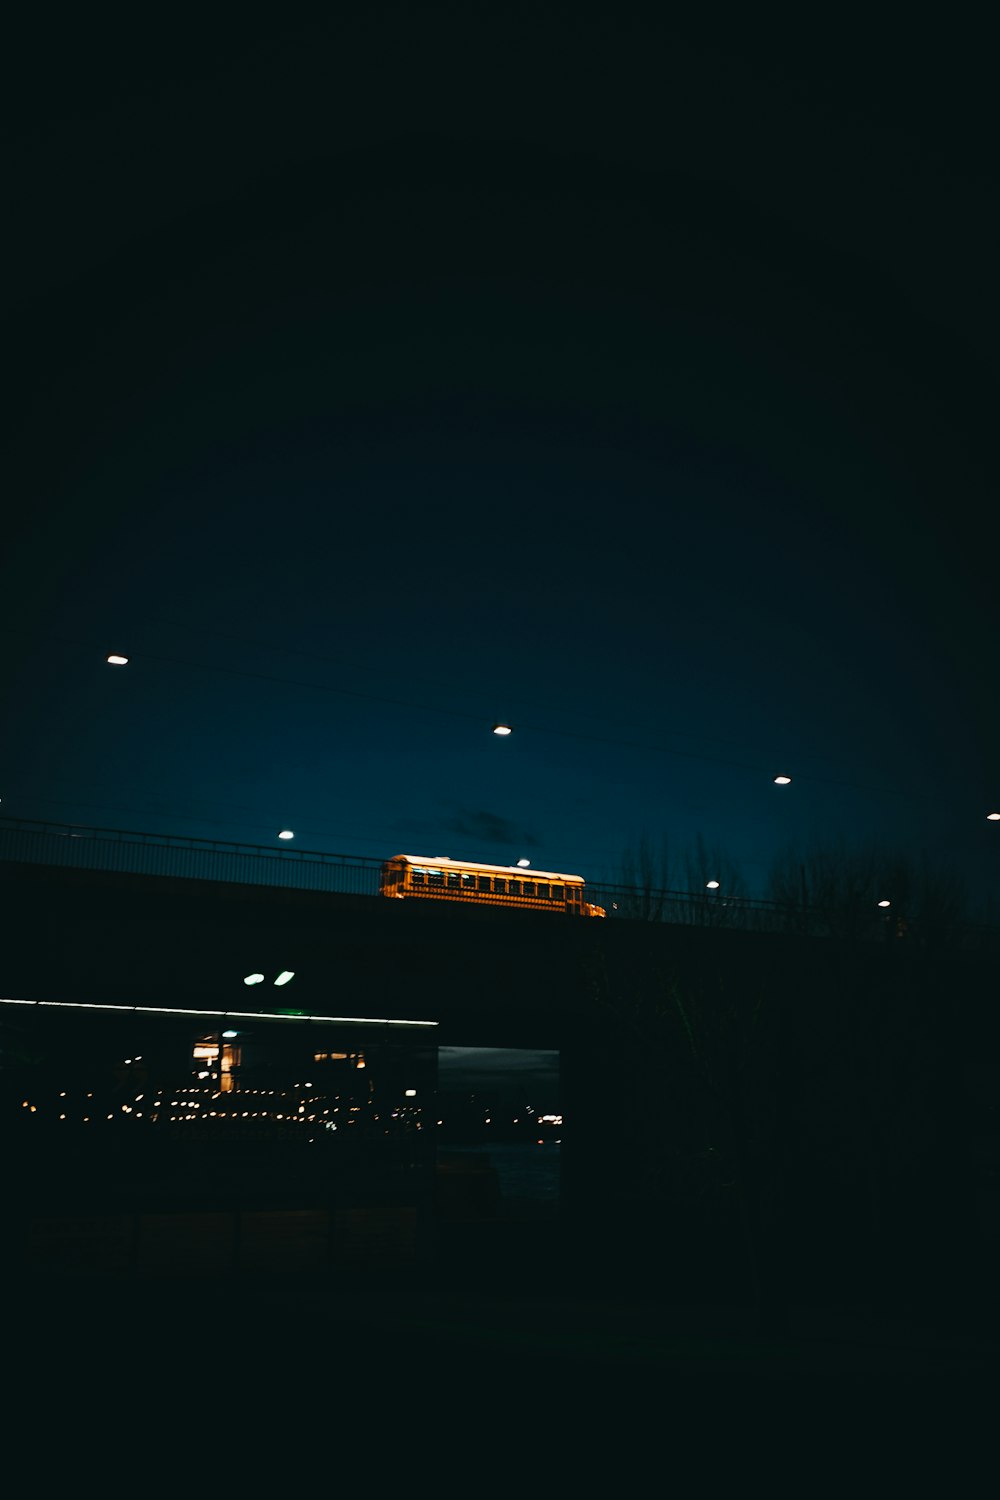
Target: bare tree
(835,889)
(646,872)
(721,904)
(658,889)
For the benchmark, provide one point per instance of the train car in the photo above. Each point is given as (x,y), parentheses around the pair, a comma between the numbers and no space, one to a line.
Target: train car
(418,876)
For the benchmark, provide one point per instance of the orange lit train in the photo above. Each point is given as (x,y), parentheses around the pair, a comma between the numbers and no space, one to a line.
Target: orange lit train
(441,879)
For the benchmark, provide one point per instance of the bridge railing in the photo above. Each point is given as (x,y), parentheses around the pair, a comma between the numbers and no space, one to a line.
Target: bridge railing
(848,921)
(130,852)
(694,908)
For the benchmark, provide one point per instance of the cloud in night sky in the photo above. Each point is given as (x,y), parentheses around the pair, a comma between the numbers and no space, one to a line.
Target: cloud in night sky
(479,824)
(482,824)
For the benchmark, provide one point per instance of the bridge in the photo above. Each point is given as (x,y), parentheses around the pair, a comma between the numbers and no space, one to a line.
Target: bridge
(120,918)
(645,1013)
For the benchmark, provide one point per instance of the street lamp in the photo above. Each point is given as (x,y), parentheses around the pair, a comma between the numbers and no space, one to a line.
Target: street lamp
(502,729)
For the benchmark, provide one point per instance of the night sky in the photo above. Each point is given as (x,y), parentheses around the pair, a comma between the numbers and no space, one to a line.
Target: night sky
(372,382)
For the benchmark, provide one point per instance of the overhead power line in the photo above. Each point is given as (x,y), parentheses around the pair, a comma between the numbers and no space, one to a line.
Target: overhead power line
(471,716)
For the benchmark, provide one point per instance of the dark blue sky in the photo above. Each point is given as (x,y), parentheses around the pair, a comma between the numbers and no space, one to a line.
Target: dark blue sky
(367,385)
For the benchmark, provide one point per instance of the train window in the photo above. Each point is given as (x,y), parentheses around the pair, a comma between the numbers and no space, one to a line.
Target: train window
(543,890)
(558,894)
(454,879)
(500,885)
(484,882)
(435,877)
(514,887)
(417,877)
(469,882)
(529,887)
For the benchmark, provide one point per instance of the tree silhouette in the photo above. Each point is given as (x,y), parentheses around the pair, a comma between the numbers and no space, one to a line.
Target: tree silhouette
(833,890)
(659,887)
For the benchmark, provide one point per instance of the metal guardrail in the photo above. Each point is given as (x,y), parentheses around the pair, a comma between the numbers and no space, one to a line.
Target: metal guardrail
(27,841)
(694,908)
(31,841)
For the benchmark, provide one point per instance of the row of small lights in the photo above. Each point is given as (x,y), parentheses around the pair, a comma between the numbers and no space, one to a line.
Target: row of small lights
(299,1118)
(502,729)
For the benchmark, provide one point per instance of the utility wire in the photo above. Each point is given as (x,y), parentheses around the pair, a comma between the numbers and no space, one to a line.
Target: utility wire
(470,716)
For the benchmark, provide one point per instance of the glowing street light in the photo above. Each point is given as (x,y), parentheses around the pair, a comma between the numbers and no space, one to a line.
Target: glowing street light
(711,885)
(523,864)
(885,903)
(993,817)
(115,660)
(502,729)
(782,780)
(253,979)
(285,976)
(286,833)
